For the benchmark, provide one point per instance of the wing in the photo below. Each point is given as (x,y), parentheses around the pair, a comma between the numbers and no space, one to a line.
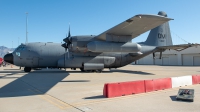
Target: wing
(134,26)
(177,47)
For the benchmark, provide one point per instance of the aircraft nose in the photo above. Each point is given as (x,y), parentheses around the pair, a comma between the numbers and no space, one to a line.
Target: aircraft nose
(8,58)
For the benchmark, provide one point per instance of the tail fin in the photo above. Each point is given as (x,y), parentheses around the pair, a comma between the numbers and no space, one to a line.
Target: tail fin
(160,36)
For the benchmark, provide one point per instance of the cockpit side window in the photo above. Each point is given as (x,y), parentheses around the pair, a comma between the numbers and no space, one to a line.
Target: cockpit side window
(21,47)
(17,48)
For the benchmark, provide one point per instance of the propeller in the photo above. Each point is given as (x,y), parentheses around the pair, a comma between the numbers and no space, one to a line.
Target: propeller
(66,45)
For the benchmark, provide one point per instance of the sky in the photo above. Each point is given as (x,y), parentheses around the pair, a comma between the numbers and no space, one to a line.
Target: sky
(48,20)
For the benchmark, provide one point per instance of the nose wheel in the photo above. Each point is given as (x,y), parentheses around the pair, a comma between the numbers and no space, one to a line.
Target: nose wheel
(27,69)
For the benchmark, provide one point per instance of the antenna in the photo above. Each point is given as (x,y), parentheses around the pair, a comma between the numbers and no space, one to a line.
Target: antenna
(18,41)
(26,27)
(69,35)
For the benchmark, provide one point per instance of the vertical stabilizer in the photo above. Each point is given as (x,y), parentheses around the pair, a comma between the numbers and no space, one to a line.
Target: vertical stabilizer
(160,36)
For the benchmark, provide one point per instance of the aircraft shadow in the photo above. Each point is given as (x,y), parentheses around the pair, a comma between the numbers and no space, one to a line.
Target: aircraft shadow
(76,81)
(132,72)
(118,71)
(33,83)
(36,71)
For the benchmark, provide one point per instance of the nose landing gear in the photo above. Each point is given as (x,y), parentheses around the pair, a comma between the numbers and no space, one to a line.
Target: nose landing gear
(27,69)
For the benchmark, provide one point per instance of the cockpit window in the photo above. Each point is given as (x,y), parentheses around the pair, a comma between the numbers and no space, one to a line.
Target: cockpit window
(21,47)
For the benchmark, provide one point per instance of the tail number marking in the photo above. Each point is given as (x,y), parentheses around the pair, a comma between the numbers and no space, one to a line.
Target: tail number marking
(161,36)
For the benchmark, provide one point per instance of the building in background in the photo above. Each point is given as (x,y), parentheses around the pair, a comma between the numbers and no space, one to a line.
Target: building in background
(187,57)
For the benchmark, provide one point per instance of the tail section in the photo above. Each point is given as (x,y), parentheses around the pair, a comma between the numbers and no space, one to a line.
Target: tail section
(160,36)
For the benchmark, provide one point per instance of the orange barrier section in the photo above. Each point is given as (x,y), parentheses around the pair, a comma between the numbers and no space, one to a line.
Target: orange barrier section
(195,79)
(157,84)
(123,88)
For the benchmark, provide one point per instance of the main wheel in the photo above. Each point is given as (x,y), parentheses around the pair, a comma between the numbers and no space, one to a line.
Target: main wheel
(27,69)
(99,71)
(82,70)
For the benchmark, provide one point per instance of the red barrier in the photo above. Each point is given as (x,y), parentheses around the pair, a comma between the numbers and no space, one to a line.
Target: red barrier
(149,85)
(1,60)
(157,84)
(138,87)
(124,88)
(135,87)
(105,89)
(195,79)
(160,84)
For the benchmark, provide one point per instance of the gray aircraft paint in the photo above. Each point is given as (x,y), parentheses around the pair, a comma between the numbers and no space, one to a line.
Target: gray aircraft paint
(162,33)
(38,54)
(106,50)
(100,46)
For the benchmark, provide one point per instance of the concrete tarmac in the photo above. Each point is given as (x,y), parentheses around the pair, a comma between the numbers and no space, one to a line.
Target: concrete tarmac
(56,90)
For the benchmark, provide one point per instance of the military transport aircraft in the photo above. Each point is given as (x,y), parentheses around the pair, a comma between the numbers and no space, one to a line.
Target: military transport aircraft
(110,49)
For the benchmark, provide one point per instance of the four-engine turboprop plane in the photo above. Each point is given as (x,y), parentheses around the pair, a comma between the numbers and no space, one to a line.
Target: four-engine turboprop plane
(111,49)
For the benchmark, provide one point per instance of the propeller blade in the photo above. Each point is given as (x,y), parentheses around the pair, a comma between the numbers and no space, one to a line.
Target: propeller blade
(66,40)
(64,45)
(69,35)
(68,52)
(65,60)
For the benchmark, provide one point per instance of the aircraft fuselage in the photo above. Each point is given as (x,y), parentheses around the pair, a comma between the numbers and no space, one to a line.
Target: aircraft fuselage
(42,55)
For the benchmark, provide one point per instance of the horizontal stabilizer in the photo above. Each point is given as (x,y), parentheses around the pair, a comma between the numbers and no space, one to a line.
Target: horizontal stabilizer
(177,47)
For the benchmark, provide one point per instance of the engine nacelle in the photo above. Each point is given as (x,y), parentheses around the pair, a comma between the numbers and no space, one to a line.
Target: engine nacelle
(100,46)
(79,43)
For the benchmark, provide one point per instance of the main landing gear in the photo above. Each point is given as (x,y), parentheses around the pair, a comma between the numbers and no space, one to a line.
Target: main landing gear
(99,71)
(27,69)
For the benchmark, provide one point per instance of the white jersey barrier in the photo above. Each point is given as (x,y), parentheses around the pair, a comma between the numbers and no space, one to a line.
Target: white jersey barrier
(181,81)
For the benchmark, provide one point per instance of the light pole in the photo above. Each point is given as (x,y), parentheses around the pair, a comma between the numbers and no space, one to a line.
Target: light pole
(26,27)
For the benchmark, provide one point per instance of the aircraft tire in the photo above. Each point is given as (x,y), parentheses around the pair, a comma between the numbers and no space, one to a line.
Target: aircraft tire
(82,70)
(99,71)
(88,71)
(27,69)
